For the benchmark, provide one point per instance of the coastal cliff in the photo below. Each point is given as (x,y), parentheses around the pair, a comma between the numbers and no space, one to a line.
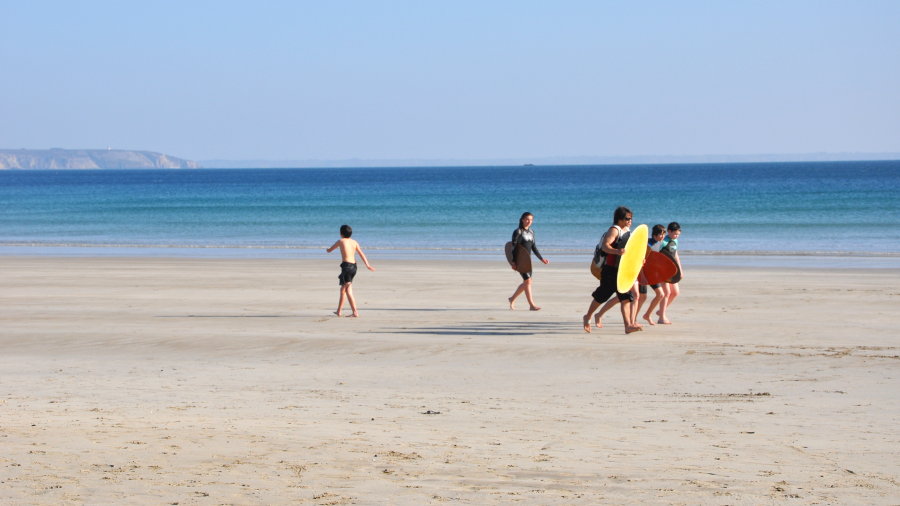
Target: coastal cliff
(89,159)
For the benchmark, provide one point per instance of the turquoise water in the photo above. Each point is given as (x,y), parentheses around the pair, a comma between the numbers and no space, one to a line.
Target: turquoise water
(834,208)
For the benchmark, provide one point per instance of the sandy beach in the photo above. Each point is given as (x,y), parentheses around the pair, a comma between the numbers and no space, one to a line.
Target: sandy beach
(223,381)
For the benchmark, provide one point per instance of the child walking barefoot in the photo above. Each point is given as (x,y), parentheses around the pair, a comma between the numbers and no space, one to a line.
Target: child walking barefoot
(660,290)
(524,236)
(670,248)
(349,250)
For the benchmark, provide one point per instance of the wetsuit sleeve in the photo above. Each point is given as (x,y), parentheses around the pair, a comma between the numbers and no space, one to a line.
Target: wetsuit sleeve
(517,237)
(535,250)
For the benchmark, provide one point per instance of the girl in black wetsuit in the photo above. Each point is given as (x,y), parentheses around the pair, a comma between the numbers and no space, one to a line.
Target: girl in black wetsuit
(524,236)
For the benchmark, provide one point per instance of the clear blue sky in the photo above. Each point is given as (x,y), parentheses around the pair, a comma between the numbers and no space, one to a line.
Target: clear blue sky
(455,79)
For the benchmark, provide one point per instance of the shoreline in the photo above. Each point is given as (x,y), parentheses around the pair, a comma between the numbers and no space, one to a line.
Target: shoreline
(790,259)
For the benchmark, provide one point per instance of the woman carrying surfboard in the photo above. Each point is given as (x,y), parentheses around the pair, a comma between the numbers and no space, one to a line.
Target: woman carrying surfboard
(612,247)
(518,253)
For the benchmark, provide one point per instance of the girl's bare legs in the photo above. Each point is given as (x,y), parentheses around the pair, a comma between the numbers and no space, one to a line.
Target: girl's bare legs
(525,286)
(519,290)
(672,293)
(528,296)
(664,304)
(660,295)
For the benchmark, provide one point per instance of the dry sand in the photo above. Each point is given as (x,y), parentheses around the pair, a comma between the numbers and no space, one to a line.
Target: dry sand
(198,381)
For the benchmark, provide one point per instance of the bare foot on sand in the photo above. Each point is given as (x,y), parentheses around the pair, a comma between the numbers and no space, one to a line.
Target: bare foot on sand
(597,322)
(587,323)
(338,313)
(534,308)
(629,330)
(662,319)
(354,315)
(511,303)
(649,320)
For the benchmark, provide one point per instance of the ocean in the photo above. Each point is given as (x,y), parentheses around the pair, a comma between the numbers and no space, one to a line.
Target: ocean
(786,213)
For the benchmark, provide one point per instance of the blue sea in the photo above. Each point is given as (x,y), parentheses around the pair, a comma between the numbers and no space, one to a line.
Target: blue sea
(786,213)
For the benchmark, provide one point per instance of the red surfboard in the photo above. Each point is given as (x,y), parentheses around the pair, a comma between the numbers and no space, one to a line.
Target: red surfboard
(658,268)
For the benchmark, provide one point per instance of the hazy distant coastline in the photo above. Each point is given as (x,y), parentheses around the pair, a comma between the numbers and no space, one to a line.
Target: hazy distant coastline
(69,159)
(559,160)
(90,159)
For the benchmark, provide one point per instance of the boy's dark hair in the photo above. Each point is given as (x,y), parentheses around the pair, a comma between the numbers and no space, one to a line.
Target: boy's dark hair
(346,231)
(673,226)
(621,213)
(658,229)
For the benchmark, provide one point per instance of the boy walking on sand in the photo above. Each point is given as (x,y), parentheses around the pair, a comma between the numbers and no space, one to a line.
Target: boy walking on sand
(349,249)
(612,247)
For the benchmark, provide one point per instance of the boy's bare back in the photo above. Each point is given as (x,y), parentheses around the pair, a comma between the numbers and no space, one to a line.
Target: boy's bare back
(348,249)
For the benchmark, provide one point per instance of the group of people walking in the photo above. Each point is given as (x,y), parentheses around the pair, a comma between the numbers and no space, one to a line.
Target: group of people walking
(606,256)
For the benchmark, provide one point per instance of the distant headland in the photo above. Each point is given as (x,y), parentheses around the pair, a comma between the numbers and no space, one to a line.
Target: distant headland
(90,159)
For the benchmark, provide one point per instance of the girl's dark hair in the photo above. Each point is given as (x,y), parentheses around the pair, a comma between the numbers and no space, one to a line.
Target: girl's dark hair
(346,231)
(658,229)
(673,226)
(522,218)
(621,213)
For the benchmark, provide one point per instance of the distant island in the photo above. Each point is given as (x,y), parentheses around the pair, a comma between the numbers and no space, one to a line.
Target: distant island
(90,159)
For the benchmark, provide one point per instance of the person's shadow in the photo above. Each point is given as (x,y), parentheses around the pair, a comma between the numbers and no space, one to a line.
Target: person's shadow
(511,328)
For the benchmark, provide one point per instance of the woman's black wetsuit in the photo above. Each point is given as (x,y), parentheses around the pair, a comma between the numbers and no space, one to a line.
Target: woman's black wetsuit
(525,238)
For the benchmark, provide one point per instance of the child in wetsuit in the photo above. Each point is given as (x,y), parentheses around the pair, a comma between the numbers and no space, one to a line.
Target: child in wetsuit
(670,248)
(524,237)
(349,249)
(654,243)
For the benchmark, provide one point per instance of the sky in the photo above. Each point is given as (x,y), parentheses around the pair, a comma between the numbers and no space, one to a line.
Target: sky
(347,79)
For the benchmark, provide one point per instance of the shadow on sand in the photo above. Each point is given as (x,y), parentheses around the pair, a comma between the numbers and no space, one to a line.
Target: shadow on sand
(490,329)
(229,316)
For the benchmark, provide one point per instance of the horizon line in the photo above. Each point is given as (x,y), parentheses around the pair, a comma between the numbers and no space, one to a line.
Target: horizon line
(547,160)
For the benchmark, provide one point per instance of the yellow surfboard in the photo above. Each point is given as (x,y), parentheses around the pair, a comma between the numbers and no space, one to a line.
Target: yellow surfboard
(632,260)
